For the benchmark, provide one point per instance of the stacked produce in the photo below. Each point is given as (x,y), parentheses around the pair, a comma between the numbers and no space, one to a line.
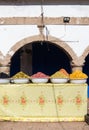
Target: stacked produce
(39,75)
(20,75)
(78,74)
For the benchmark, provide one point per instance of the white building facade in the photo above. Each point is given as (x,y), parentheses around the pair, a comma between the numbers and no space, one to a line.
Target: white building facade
(22,23)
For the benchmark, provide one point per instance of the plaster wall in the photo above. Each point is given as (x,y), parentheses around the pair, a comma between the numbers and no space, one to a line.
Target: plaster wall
(75,36)
(49,10)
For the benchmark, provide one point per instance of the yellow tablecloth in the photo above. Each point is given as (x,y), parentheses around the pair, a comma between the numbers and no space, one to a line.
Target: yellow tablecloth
(43,102)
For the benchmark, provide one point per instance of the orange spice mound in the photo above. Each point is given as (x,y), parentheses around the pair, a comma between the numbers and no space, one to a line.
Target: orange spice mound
(58,74)
(78,74)
(64,72)
(39,75)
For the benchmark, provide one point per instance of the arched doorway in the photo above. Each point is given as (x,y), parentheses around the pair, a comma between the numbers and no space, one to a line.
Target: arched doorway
(38,56)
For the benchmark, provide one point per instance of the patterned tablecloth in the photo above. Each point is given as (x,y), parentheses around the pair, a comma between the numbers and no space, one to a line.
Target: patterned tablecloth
(43,102)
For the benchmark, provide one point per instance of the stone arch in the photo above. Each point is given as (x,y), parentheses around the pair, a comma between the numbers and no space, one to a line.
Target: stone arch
(85,53)
(35,38)
(1,58)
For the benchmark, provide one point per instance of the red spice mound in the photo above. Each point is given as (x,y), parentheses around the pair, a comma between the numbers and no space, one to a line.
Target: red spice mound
(39,75)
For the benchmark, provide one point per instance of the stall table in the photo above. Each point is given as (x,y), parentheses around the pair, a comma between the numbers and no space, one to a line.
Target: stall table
(43,102)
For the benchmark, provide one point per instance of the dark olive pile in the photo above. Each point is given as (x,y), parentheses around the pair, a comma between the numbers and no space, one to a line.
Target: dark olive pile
(4,75)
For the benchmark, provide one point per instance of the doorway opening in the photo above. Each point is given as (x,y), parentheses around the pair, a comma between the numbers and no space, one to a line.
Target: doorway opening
(86,70)
(38,56)
(49,58)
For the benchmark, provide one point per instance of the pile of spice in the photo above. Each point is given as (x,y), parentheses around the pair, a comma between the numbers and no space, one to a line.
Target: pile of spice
(4,75)
(20,75)
(60,74)
(64,72)
(39,75)
(78,74)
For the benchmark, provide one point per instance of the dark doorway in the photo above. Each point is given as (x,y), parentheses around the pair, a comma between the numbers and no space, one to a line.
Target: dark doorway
(86,70)
(48,58)
(15,63)
(86,67)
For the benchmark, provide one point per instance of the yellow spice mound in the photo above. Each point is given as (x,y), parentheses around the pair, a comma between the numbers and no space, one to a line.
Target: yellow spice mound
(58,74)
(20,75)
(78,74)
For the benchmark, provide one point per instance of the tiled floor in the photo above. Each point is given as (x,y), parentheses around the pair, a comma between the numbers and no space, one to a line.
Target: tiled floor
(44,126)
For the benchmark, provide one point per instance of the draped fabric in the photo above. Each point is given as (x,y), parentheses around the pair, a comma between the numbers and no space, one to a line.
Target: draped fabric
(43,102)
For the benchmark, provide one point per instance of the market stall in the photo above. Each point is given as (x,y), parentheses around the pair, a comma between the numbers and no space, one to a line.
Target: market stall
(44,98)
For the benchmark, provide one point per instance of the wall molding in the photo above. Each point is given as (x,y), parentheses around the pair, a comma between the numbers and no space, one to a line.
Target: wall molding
(47,21)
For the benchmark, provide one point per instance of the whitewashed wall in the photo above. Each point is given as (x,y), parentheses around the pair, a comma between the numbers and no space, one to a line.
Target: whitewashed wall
(76,37)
